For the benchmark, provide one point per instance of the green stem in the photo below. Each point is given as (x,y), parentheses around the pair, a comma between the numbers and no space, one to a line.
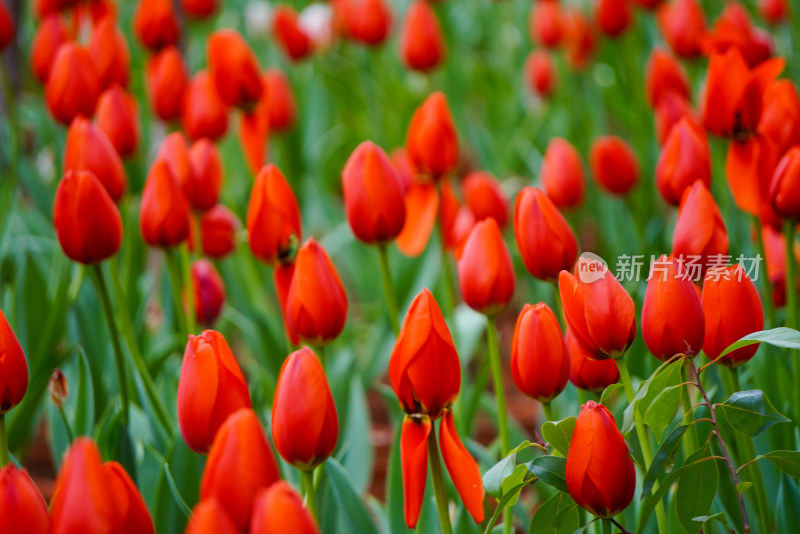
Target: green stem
(321,355)
(647,454)
(548,411)
(791,291)
(606,526)
(388,289)
(559,311)
(177,302)
(4,458)
(449,293)
(186,263)
(691,439)
(499,390)
(438,482)
(70,437)
(311,495)
(768,302)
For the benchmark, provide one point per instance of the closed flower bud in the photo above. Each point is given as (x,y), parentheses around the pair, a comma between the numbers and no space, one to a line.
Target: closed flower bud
(700,230)
(456,219)
(293,39)
(422,46)
(773,11)
(87,221)
(598,310)
(732,310)
(485,198)
(73,85)
(600,474)
(614,165)
(280,509)
(175,151)
(239,464)
(368,21)
(156,24)
(234,68)
(305,426)
(7,30)
(211,388)
(133,515)
(685,157)
(274,227)
(205,181)
(672,317)
(203,114)
(432,140)
(13,368)
(540,73)
(539,359)
(562,174)
(579,39)
(424,366)
(784,191)
(89,149)
(218,229)
(280,100)
(683,26)
(586,372)
(209,292)
(164,212)
(545,24)
(209,517)
(58,388)
(118,117)
(485,272)
(734,29)
(613,16)
(316,306)
(373,195)
(664,75)
(671,108)
(780,115)
(545,240)
(199,9)
(50,35)
(24,509)
(110,54)
(167,80)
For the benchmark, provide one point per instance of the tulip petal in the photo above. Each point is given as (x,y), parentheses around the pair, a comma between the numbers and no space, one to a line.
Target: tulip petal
(422,205)
(414,461)
(253,133)
(462,468)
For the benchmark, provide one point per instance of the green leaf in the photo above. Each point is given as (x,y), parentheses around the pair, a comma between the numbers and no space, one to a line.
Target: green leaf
(83,420)
(741,487)
(662,410)
(494,480)
(665,451)
(697,487)
(504,503)
(354,512)
(786,461)
(667,375)
(550,470)
(720,517)
(513,481)
(780,337)
(750,412)
(558,515)
(610,391)
(559,433)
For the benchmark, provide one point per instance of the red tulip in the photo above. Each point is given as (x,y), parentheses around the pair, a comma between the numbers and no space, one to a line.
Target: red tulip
(73,85)
(280,100)
(218,229)
(373,195)
(203,114)
(671,108)
(749,168)
(545,240)
(732,310)
(600,474)
(50,35)
(562,174)
(773,11)
(664,75)
(683,26)
(199,9)
(167,79)
(293,39)
(784,191)
(164,213)
(133,515)
(155,24)
(700,230)
(118,117)
(456,219)
(614,165)
(205,180)
(211,388)
(7,30)
(209,292)
(485,198)
(305,426)
(462,468)
(24,509)
(316,306)
(485,272)
(586,372)
(734,29)
(234,68)
(539,359)
(274,228)
(422,209)
(13,372)
(780,115)
(88,149)
(87,221)
(598,310)
(209,517)
(280,509)
(432,141)
(240,464)
(613,16)
(109,50)
(254,134)
(775,259)
(685,157)
(422,46)
(414,463)
(368,21)
(546,24)
(579,39)
(540,73)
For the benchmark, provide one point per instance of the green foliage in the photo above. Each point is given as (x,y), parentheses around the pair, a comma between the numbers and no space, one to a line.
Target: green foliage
(559,433)
(558,515)
(750,412)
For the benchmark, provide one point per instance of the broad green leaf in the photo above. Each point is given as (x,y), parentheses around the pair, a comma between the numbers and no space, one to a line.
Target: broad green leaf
(780,337)
(558,515)
(513,481)
(667,375)
(494,477)
(787,505)
(505,502)
(786,461)
(355,437)
(750,412)
(550,470)
(610,391)
(719,517)
(741,487)
(697,487)
(354,512)
(559,433)
(83,420)
(663,454)
(662,410)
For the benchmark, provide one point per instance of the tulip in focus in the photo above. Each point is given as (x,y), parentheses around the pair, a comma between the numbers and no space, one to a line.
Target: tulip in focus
(684,159)
(422,46)
(432,140)
(274,227)
(156,24)
(280,509)
(540,73)
(234,68)
(562,174)
(485,197)
(166,78)
(164,212)
(118,117)
(203,113)
(24,509)
(73,84)
(586,372)
(485,271)
(700,230)
(209,292)
(13,370)
(614,165)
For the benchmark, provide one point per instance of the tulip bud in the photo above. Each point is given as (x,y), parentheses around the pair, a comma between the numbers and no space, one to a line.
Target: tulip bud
(50,35)
(485,197)
(205,180)
(110,54)
(7,30)
(485,272)
(209,292)
(545,240)
(545,24)
(280,509)
(87,221)
(614,165)
(280,100)
(672,317)
(73,85)
(167,79)
(24,509)
(664,75)
(579,39)
(734,29)
(211,388)
(784,190)
(368,21)
(562,174)
(234,68)
(780,115)
(274,228)
(164,213)
(175,152)
(432,141)
(773,11)
(600,474)
(155,24)
(218,229)
(132,512)
(203,114)
(685,158)
(539,359)
(700,230)
(424,366)
(586,372)
(671,108)
(209,517)
(118,117)
(422,46)
(59,388)
(373,195)
(239,464)
(88,149)
(13,368)
(316,306)
(540,73)
(199,9)
(293,40)
(456,220)
(683,26)
(732,310)
(598,310)
(613,16)
(254,134)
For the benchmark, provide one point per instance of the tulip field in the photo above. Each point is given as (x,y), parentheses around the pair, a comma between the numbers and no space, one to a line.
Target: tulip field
(392,266)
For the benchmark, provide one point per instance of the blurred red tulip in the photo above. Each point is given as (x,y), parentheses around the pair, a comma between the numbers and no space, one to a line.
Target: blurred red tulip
(734,29)
(405,169)
(784,190)
(164,212)
(732,310)
(422,208)
(118,117)
(305,426)
(485,198)
(432,140)
(422,46)
(280,100)
(545,240)
(545,24)
(239,464)
(485,271)
(586,372)
(780,115)
(175,152)
(88,149)
(209,517)
(87,221)
(540,73)
(218,229)
(209,292)
(773,11)
(700,231)
(613,16)
(73,85)
(539,359)
(7,30)
(749,167)
(579,39)
(293,40)
(24,509)
(598,310)
(600,474)
(671,108)
(203,113)
(205,181)
(274,227)
(316,306)
(614,165)
(280,509)
(683,26)
(373,195)
(199,9)
(211,388)
(456,219)
(664,75)
(155,24)
(685,157)
(562,174)
(167,80)
(775,259)
(13,371)
(234,68)
(132,512)
(254,135)
(110,54)
(368,21)
(50,35)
